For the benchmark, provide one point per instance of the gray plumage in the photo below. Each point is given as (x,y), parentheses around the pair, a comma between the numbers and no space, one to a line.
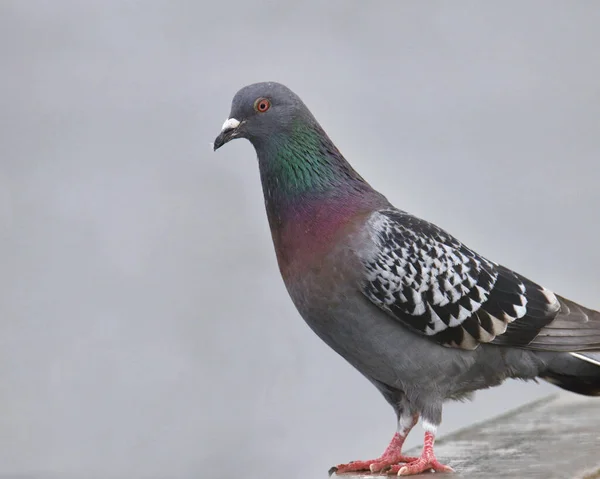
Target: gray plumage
(417,312)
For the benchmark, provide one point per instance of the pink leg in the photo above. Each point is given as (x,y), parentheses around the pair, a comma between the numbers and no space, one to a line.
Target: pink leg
(390,458)
(426,462)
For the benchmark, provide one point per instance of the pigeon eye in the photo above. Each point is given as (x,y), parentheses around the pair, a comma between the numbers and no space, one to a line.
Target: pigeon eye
(262,104)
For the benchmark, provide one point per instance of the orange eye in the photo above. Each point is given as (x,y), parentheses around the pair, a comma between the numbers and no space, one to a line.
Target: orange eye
(262,104)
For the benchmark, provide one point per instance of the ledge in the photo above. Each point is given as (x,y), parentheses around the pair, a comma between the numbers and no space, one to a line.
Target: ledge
(555,437)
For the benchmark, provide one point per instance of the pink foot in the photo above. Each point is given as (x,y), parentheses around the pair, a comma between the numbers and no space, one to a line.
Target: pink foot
(425,463)
(390,458)
(419,466)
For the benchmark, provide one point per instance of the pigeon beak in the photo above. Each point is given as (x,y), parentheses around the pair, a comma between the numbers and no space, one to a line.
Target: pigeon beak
(228,132)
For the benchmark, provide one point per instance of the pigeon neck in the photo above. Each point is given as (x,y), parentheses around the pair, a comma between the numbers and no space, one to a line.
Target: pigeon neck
(304,162)
(311,193)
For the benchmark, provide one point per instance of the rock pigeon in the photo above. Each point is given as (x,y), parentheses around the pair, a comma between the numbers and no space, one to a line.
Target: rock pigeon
(421,315)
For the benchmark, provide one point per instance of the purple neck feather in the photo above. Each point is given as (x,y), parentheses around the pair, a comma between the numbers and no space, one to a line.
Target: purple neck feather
(311,194)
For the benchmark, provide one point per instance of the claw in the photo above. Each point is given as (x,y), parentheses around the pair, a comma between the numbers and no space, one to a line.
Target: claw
(390,458)
(426,462)
(422,465)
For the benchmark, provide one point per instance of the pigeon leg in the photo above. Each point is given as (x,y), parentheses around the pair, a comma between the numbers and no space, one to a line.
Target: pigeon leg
(426,462)
(391,456)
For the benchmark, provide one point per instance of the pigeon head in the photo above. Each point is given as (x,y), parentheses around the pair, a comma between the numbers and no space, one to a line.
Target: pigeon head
(296,158)
(261,110)
(310,190)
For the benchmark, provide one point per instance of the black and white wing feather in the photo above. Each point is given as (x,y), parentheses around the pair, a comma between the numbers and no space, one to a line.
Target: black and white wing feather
(438,287)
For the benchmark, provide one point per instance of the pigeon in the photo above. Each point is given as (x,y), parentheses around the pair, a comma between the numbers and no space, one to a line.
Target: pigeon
(421,315)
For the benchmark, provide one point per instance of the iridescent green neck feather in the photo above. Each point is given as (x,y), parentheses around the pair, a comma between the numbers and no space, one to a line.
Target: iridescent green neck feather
(304,162)
(311,193)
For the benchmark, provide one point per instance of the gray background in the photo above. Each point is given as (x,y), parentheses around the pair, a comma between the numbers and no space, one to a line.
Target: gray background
(144,328)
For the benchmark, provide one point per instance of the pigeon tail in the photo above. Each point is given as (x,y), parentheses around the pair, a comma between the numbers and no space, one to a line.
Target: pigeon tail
(575,372)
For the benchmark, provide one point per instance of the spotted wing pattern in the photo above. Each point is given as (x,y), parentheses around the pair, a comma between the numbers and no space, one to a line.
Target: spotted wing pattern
(438,287)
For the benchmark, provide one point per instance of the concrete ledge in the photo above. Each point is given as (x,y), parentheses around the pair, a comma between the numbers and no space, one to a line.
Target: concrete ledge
(555,437)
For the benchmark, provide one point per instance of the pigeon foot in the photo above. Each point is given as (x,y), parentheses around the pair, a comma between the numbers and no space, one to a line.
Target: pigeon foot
(390,458)
(426,462)
(381,464)
(419,466)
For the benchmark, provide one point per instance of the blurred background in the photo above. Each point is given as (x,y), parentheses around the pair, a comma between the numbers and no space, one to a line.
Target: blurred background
(144,329)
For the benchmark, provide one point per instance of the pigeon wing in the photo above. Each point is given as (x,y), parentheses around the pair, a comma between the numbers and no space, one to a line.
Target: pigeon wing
(436,286)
